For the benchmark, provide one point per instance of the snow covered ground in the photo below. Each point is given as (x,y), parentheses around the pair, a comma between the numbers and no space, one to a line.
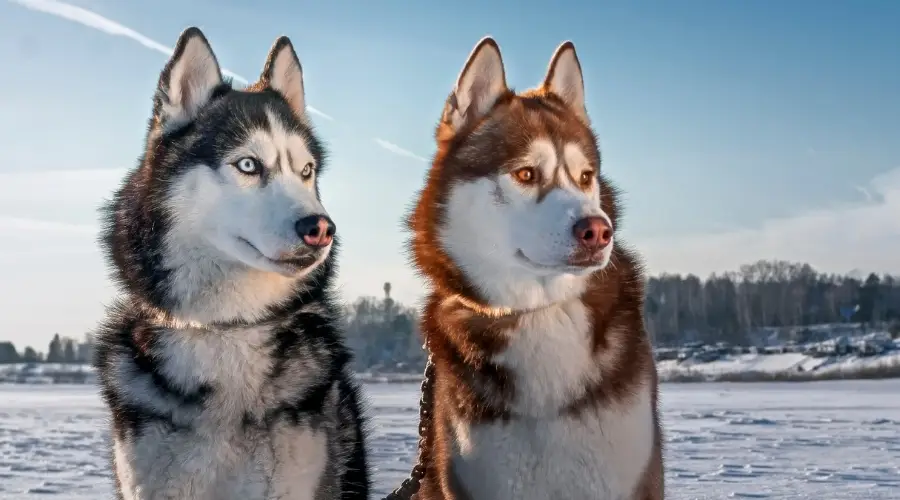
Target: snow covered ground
(819,440)
(779,363)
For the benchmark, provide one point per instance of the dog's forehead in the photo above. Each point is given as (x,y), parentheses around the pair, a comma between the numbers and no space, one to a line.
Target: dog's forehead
(276,143)
(548,155)
(530,120)
(525,129)
(263,125)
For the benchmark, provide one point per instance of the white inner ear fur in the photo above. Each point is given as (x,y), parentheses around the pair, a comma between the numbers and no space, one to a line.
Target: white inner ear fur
(565,79)
(481,82)
(192,80)
(286,76)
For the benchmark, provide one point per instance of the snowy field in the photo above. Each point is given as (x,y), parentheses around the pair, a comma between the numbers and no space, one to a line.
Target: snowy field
(819,440)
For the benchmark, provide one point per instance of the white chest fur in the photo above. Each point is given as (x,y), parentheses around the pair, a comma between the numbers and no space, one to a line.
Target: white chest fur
(218,458)
(539,454)
(550,358)
(238,364)
(287,462)
(599,455)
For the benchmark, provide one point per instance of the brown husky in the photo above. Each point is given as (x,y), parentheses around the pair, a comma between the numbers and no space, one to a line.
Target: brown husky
(544,381)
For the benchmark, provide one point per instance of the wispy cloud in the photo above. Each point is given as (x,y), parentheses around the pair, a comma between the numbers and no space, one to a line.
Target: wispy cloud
(393,148)
(865,192)
(862,235)
(95,21)
(98,22)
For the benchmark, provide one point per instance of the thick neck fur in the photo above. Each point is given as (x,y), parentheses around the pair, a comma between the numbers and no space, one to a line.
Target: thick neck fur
(584,349)
(246,371)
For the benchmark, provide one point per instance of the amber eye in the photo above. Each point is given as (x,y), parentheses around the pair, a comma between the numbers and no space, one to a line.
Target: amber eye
(526,175)
(586,179)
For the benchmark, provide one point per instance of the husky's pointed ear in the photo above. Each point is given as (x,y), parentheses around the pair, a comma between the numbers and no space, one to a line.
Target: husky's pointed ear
(564,78)
(284,74)
(188,81)
(481,82)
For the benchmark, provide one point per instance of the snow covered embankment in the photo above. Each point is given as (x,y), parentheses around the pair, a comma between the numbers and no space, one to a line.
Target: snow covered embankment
(785,366)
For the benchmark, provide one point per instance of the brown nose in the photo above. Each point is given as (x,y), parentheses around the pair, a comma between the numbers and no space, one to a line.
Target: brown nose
(316,230)
(593,233)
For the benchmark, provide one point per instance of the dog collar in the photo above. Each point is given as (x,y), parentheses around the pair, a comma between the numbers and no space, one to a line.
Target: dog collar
(491,312)
(498,312)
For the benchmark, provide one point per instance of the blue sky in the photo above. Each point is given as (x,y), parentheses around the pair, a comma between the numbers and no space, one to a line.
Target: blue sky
(739,130)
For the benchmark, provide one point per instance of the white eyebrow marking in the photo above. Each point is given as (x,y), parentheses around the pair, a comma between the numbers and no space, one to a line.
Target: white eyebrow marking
(576,161)
(542,155)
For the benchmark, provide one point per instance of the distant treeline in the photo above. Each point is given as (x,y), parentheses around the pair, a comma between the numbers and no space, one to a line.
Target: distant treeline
(384,334)
(726,307)
(60,350)
(731,306)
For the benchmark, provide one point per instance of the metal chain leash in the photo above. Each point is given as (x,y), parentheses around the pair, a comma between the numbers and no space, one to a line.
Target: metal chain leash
(411,485)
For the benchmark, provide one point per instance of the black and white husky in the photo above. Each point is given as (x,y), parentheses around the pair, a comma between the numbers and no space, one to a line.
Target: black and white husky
(222,363)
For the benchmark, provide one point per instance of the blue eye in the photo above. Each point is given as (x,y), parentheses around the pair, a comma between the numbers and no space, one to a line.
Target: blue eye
(248,166)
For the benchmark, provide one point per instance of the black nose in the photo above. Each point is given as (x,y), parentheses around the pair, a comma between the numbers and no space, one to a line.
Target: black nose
(316,230)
